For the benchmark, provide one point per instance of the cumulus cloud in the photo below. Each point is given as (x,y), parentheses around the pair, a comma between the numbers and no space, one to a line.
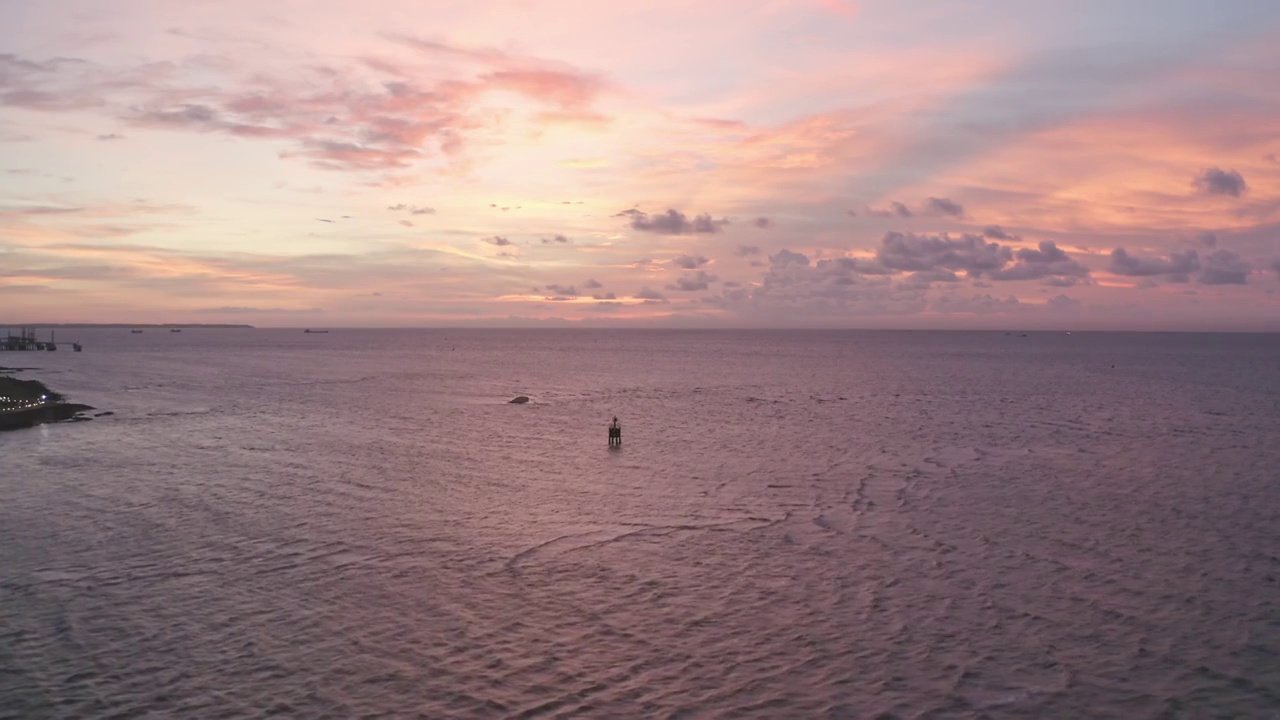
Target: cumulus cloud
(563,290)
(1223,267)
(926,278)
(995,232)
(1216,181)
(785,257)
(1208,239)
(555,239)
(646,264)
(690,262)
(746,250)
(672,222)
(831,287)
(763,223)
(498,240)
(1049,261)
(1178,267)
(592,284)
(968,253)
(943,206)
(692,282)
(858,266)
(646,293)
(604,296)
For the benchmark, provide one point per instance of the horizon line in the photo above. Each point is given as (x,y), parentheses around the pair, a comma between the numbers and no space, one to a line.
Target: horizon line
(580,327)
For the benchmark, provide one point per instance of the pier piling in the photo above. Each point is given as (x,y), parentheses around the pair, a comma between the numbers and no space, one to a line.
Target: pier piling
(26,340)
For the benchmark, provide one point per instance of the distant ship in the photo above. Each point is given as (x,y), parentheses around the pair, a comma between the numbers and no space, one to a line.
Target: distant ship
(135,331)
(320,332)
(175,329)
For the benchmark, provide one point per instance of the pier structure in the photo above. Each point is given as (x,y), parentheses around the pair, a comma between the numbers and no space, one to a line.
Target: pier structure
(26,340)
(615,433)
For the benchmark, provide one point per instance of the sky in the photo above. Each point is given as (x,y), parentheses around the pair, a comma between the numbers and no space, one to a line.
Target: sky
(1061,164)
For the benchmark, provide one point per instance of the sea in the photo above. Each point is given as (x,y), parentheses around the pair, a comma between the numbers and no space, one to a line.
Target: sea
(798,524)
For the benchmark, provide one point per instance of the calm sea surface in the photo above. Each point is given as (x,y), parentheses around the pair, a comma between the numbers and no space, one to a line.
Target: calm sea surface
(798,525)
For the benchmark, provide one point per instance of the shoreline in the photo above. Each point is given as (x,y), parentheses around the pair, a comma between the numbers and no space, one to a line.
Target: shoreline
(42,415)
(27,403)
(117,326)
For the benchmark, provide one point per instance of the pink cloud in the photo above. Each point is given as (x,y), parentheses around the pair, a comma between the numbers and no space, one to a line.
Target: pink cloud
(565,88)
(840,7)
(338,119)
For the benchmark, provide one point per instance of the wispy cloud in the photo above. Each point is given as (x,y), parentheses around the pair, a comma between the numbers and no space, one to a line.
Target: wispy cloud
(334,119)
(412,209)
(242,310)
(930,207)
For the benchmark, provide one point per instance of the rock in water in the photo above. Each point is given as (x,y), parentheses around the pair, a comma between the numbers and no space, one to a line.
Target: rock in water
(519,401)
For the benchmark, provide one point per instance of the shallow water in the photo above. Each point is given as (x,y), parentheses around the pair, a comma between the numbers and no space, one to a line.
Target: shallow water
(803,524)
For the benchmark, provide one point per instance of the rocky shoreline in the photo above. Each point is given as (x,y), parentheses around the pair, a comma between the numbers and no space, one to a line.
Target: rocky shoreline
(27,403)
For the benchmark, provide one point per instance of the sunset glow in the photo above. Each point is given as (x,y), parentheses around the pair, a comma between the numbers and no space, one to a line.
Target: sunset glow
(817,163)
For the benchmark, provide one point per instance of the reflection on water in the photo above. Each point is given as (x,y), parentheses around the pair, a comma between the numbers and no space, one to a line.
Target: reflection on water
(799,525)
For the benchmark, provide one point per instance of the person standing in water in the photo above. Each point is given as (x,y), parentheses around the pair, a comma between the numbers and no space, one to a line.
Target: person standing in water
(615,432)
